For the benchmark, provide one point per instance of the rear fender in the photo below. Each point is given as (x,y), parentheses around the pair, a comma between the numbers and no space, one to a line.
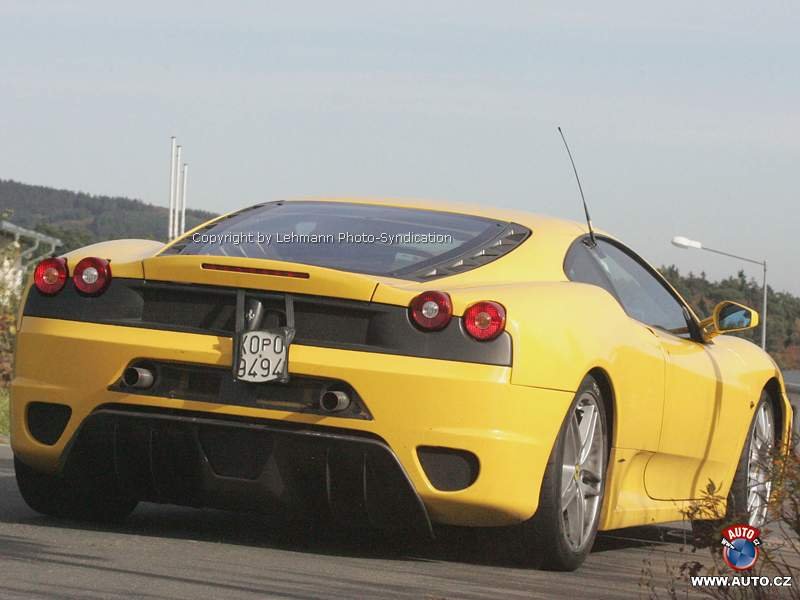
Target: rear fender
(562,330)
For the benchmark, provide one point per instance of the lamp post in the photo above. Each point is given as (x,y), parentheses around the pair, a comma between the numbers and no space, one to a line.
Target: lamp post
(686,243)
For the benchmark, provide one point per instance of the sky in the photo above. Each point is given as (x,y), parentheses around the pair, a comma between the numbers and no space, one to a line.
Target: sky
(683,118)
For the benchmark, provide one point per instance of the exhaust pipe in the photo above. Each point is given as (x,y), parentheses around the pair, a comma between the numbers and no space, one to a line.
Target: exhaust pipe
(138,377)
(334,401)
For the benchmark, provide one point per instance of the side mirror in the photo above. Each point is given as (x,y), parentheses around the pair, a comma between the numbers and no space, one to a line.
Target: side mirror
(729,317)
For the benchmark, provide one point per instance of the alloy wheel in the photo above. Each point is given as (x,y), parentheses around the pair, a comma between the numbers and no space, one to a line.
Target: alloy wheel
(582,471)
(759,483)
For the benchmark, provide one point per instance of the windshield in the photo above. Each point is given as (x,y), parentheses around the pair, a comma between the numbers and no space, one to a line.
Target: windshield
(361,238)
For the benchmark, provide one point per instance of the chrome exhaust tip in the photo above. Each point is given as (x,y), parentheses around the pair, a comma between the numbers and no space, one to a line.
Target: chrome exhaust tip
(138,377)
(334,401)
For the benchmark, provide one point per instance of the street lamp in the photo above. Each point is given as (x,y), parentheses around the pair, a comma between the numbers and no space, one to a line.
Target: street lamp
(686,243)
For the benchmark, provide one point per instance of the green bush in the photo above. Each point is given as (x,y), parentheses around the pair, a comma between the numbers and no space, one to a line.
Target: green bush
(4,411)
(9,301)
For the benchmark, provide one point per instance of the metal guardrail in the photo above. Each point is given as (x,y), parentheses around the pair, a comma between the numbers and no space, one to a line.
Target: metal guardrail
(30,254)
(18,231)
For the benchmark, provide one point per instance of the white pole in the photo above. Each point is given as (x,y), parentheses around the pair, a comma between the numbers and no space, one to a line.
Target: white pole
(176,217)
(183,198)
(171,191)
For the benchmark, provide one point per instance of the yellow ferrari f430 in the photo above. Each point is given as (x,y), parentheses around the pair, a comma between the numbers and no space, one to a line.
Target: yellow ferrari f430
(393,364)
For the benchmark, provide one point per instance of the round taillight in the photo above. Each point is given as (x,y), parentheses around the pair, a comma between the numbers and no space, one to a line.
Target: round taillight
(431,311)
(50,275)
(92,275)
(485,320)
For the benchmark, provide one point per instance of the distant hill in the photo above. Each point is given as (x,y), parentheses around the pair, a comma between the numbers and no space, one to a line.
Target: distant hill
(80,219)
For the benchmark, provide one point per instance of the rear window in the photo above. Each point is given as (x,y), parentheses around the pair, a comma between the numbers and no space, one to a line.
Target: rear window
(397,242)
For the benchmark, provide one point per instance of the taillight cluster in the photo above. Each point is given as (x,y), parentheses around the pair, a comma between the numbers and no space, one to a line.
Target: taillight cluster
(485,320)
(50,275)
(91,275)
(432,311)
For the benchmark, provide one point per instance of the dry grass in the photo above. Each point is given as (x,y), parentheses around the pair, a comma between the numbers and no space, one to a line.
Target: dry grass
(779,555)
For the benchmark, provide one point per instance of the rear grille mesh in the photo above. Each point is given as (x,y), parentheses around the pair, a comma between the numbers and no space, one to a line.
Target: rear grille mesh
(215,311)
(182,308)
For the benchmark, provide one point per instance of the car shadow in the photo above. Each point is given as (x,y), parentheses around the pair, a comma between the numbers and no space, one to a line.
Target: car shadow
(479,546)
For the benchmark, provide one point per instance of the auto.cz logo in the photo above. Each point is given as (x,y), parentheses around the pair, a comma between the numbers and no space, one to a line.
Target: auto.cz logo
(740,550)
(740,546)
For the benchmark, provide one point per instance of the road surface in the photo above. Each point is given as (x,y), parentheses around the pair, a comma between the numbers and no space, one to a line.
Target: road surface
(172,552)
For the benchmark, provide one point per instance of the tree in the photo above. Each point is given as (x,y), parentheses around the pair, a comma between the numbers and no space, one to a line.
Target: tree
(9,300)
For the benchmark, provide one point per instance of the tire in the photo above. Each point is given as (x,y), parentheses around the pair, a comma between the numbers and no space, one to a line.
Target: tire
(552,540)
(751,484)
(77,496)
(754,461)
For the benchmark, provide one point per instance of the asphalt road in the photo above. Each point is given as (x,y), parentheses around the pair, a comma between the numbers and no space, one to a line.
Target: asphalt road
(173,552)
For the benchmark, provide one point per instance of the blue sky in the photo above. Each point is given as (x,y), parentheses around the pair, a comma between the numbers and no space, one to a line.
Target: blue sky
(683,119)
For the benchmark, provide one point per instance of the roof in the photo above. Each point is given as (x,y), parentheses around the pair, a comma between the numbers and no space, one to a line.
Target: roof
(529,219)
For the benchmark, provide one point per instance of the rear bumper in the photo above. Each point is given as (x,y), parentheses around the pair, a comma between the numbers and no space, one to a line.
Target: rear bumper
(414,402)
(196,459)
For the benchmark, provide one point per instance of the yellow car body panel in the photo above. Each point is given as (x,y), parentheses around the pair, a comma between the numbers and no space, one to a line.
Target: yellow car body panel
(681,409)
(319,281)
(452,405)
(125,255)
(721,413)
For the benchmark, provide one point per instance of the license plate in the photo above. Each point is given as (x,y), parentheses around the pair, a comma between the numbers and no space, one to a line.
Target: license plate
(262,356)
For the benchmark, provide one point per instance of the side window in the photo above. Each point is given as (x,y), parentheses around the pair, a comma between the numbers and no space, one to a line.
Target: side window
(581,266)
(642,295)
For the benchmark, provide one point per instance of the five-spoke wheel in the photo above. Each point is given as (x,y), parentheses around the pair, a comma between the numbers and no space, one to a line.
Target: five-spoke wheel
(561,533)
(759,478)
(582,470)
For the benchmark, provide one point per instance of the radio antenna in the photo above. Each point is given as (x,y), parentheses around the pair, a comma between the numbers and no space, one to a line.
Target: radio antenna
(580,189)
